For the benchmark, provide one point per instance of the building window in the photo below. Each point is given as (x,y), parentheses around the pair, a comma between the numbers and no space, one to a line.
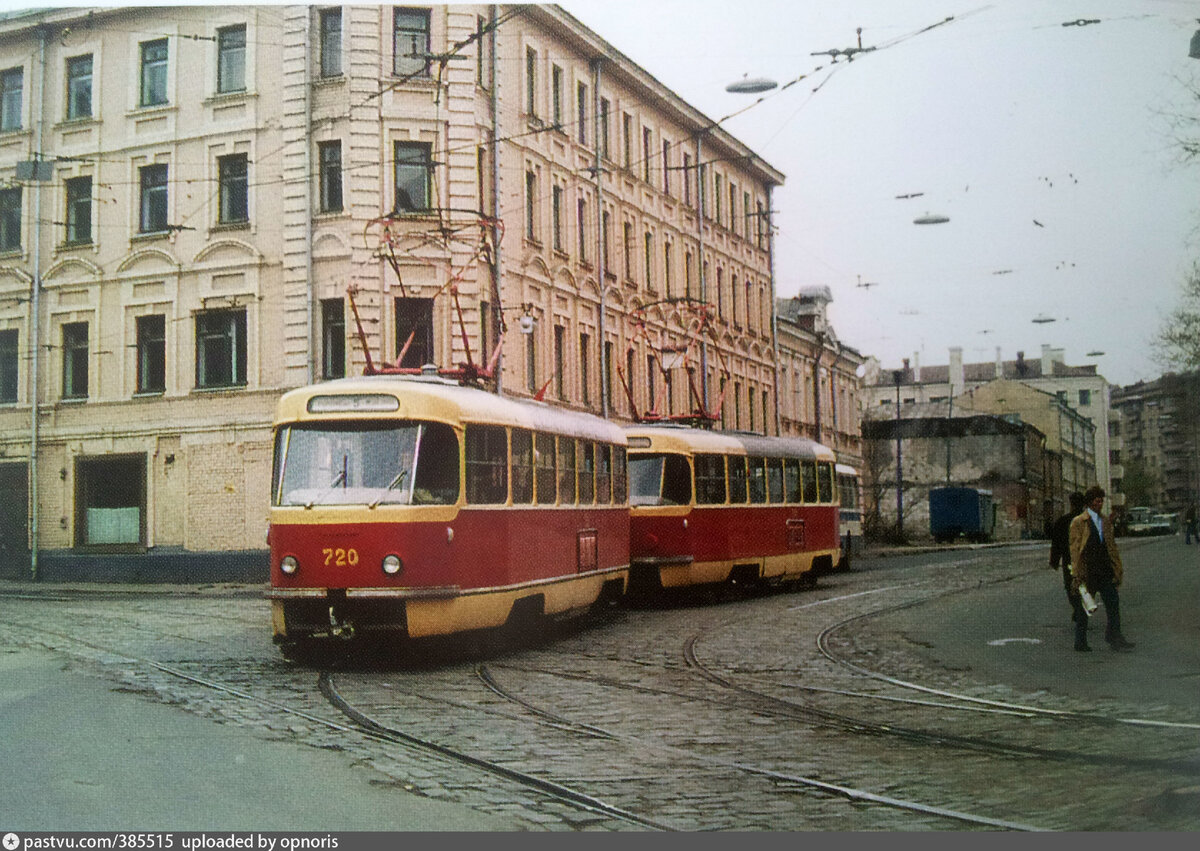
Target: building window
(668,271)
(333,338)
(221,348)
(648,260)
(687,179)
(531,362)
(605,107)
(556,96)
(75,360)
(556,214)
(585,379)
(581,98)
(154,198)
(483,55)
(666,167)
(110,501)
(231,59)
(330,156)
(560,366)
(1085,398)
(646,141)
(152,353)
(531,206)
(10,360)
(235,204)
(414,330)
(627,250)
(605,233)
(79,210)
(154,73)
(627,139)
(531,82)
(79,87)
(581,226)
(331,42)
(10,219)
(12,82)
(412,177)
(410,42)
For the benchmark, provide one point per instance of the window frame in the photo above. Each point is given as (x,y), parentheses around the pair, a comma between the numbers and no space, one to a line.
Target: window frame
(78,224)
(231,59)
(10,365)
(75,360)
(11,203)
(233,334)
(233,179)
(422,163)
(333,338)
(331,54)
(329,177)
(76,111)
(153,73)
(424,16)
(12,99)
(151,353)
(154,193)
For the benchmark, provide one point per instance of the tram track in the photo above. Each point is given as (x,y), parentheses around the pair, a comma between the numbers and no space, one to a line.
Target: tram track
(362,725)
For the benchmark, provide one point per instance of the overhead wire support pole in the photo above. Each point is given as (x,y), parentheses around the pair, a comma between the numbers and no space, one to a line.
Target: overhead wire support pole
(35,313)
(598,176)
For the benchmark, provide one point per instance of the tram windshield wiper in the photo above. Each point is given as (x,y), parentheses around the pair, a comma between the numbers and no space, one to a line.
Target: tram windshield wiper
(391,486)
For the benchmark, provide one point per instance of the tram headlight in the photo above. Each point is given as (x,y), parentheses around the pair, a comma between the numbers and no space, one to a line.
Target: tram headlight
(289,565)
(392,565)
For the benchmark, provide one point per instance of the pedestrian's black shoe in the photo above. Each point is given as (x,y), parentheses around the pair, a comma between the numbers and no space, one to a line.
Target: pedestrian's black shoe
(1121,644)
(1083,648)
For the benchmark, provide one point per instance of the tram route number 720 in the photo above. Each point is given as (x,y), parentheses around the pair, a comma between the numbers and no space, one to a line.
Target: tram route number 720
(340,556)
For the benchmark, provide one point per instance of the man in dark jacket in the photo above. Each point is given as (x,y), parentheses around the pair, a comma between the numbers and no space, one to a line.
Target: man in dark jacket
(1096,562)
(1060,556)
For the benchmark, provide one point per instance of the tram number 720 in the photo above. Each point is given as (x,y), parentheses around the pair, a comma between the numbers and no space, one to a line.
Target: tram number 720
(340,557)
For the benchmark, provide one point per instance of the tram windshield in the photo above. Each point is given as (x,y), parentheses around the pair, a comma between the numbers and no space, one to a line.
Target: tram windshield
(659,479)
(387,463)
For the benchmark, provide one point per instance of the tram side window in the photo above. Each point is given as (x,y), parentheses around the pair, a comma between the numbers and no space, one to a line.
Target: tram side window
(848,486)
(587,472)
(543,459)
(620,476)
(603,473)
(775,480)
(710,479)
(437,467)
(758,480)
(737,479)
(791,480)
(825,482)
(808,479)
(522,467)
(487,465)
(566,471)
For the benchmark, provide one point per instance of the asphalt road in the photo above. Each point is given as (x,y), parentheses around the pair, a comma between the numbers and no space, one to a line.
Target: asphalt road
(1019,632)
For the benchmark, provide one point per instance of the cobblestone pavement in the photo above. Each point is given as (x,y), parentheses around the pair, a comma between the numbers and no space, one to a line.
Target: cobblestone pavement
(709,713)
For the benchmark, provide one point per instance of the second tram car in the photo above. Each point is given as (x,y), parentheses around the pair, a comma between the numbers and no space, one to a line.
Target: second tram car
(416,506)
(850,513)
(711,507)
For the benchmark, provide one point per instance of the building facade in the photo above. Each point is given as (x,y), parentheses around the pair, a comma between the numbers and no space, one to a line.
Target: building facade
(820,387)
(1079,388)
(1160,430)
(189,195)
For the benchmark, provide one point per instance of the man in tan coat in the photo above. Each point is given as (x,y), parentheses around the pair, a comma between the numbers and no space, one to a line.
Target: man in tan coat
(1096,564)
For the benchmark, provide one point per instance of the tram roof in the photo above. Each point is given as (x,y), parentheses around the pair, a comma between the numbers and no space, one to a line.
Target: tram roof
(684,438)
(438,399)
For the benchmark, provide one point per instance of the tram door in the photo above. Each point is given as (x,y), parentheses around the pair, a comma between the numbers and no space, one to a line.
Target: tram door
(14,521)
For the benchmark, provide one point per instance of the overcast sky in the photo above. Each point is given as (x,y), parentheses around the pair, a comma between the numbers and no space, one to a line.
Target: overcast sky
(1047,146)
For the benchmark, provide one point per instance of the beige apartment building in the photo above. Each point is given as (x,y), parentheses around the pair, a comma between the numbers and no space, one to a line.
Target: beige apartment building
(188,193)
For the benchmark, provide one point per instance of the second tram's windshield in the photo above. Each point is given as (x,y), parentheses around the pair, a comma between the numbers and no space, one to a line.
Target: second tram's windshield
(390,463)
(659,479)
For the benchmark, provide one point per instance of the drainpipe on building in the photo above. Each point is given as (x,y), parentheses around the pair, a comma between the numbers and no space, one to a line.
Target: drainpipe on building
(700,267)
(774,313)
(597,175)
(497,316)
(35,316)
(310,294)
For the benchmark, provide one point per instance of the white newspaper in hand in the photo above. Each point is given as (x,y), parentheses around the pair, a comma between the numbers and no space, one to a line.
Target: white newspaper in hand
(1089,602)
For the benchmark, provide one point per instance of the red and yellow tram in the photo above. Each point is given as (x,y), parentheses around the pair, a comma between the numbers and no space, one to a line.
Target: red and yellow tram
(711,507)
(415,506)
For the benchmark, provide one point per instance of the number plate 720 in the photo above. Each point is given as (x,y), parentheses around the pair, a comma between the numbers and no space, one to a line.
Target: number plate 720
(340,556)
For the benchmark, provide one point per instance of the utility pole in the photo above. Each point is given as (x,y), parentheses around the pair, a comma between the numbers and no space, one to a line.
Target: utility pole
(897,376)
